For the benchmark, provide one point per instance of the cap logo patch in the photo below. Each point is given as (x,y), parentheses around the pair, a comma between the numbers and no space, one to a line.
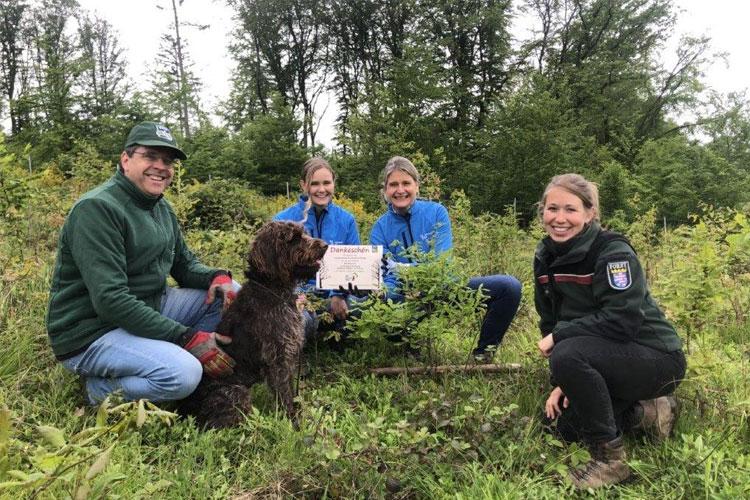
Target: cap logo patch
(164,133)
(618,275)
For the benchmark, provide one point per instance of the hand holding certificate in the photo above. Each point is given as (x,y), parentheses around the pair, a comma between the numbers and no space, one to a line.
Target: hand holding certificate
(349,266)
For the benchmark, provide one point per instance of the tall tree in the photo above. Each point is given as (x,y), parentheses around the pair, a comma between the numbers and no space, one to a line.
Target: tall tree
(472,39)
(251,85)
(175,88)
(677,175)
(600,56)
(266,151)
(675,89)
(284,38)
(355,50)
(54,72)
(174,93)
(181,75)
(11,52)
(729,131)
(102,85)
(364,38)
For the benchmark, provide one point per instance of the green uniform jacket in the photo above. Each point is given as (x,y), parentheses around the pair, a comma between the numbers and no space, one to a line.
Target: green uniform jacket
(603,294)
(116,249)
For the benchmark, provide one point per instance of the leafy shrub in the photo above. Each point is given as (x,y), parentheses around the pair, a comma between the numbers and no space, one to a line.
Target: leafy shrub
(74,463)
(458,435)
(223,204)
(439,307)
(223,249)
(489,244)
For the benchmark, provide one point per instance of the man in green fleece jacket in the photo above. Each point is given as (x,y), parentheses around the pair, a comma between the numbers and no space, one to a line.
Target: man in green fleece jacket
(112,318)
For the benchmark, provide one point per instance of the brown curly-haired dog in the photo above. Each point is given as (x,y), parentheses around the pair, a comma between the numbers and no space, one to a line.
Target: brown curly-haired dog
(265,326)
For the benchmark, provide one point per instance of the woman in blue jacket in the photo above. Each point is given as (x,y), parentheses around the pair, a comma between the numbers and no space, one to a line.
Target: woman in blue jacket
(411,221)
(322,219)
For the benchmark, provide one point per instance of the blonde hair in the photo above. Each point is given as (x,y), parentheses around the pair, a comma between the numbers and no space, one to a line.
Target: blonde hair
(308,170)
(402,165)
(577,185)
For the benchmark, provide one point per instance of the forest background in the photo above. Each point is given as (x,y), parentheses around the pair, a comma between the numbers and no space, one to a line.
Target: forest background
(488,122)
(442,82)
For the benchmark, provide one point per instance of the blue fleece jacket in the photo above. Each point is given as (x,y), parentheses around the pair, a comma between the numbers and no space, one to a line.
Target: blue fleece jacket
(335,225)
(426,225)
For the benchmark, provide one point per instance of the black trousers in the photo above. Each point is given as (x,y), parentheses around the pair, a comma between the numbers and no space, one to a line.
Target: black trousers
(603,379)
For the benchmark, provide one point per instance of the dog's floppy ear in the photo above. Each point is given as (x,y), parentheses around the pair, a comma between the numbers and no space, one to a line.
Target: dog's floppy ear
(262,256)
(269,256)
(289,237)
(292,231)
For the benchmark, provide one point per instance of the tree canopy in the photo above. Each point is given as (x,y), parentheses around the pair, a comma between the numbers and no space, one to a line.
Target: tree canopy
(449,83)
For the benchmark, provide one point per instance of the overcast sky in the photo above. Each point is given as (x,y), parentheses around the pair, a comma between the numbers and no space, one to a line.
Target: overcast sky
(140,24)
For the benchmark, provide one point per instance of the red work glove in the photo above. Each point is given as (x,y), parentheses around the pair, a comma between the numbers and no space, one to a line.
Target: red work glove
(223,284)
(205,346)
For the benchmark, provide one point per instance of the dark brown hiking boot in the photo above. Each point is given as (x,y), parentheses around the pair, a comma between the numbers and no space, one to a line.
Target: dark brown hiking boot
(607,466)
(659,417)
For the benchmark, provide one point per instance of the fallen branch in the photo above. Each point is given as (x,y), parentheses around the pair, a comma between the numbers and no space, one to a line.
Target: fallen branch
(433,370)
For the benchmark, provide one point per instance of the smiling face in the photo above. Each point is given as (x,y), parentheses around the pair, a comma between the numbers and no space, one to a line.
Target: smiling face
(150,168)
(401,190)
(564,214)
(320,187)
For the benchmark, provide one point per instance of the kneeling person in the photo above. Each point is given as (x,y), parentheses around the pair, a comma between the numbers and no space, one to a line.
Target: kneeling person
(614,358)
(112,318)
(323,219)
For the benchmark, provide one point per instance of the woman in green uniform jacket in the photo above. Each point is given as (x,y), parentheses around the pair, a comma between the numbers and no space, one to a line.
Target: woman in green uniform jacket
(614,358)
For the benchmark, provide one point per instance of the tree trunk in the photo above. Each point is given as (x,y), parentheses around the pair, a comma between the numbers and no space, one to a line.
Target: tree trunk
(184,116)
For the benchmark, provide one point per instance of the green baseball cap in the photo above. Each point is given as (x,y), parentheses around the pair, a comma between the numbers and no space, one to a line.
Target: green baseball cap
(154,134)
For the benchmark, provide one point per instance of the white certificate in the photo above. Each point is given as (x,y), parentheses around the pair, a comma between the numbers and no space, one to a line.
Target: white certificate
(355,264)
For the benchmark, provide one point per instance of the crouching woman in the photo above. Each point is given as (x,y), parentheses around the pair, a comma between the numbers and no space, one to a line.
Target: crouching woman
(614,358)
(411,221)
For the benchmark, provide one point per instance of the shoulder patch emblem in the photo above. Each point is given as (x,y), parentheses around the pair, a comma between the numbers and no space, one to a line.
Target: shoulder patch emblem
(618,275)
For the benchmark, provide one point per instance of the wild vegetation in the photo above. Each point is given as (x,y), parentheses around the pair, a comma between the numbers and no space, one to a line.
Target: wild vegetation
(456,435)
(488,118)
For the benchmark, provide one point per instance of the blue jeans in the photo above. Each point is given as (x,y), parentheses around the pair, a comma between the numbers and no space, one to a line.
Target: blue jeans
(503,297)
(143,368)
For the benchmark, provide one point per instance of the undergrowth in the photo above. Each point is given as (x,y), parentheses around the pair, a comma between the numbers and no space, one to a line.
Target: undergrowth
(448,436)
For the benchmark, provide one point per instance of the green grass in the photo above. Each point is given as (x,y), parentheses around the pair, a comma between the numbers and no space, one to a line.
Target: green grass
(452,436)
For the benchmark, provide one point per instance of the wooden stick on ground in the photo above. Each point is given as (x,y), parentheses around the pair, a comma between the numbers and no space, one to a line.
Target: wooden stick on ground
(466,368)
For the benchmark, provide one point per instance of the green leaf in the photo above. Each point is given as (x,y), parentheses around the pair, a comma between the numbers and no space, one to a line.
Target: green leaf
(156,487)
(17,474)
(555,442)
(48,462)
(85,434)
(459,445)
(82,492)
(98,466)
(332,453)
(101,414)
(561,468)
(52,435)
(11,484)
(141,418)
(5,425)
(24,479)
